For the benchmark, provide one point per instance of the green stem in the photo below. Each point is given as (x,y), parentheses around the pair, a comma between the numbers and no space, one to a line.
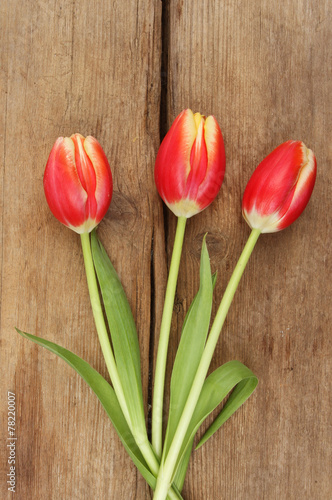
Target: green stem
(141,440)
(159,381)
(101,327)
(168,464)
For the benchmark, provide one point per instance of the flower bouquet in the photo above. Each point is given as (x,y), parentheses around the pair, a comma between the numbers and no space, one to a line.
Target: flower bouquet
(189,172)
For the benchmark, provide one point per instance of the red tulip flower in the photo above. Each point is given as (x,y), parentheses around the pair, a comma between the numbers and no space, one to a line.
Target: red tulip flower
(280,187)
(190,164)
(189,171)
(78,182)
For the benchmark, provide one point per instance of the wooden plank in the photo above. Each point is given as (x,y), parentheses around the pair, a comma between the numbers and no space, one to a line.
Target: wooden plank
(262,68)
(91,67)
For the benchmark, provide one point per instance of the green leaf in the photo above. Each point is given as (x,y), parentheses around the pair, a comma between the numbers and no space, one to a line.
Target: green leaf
(109,401)
(106,396)
(191,346)
(123,332)
(216,387)
(240,394)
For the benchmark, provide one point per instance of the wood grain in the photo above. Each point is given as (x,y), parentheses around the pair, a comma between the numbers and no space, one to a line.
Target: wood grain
(91,67)
(264,70)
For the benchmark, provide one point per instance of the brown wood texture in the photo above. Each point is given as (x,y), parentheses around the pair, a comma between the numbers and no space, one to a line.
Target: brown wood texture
(108,69)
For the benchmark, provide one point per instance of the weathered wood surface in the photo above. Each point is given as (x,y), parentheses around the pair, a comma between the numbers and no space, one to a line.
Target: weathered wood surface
(263,69)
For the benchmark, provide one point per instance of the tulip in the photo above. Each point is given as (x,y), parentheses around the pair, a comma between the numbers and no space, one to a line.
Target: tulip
(78,188)
(189,171)
(190,164)
(275,196)
(78,182)
(280,187)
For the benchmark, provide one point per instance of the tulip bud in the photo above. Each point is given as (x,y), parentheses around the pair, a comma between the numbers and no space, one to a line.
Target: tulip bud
(190,164)
(280,187)
(78,182)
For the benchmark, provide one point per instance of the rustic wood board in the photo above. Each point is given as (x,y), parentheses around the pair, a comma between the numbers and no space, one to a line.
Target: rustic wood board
(263,70)
(91,67)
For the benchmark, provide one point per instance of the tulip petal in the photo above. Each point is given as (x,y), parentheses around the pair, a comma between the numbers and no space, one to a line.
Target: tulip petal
(64,192)
(174,153)
(198,163)
(86,174)
(103,184)
(302,191)
(216,163)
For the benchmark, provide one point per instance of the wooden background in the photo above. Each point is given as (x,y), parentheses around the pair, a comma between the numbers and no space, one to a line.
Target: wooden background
(122,71)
